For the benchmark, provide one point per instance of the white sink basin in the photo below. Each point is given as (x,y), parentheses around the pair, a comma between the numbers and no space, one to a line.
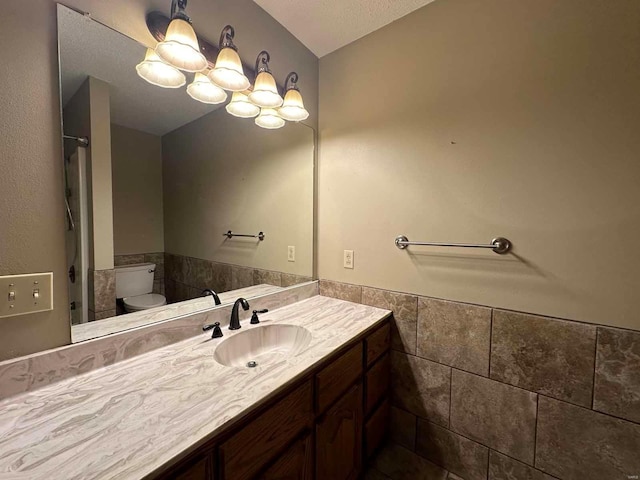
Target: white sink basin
(262,345)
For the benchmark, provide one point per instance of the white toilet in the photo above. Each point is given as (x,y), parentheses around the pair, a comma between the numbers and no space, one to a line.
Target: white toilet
(134,284)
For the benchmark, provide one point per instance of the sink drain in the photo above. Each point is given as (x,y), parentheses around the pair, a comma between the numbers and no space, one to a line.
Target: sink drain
(252,364)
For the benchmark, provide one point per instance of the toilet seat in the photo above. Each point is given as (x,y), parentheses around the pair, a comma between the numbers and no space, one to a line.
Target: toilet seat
(144,302)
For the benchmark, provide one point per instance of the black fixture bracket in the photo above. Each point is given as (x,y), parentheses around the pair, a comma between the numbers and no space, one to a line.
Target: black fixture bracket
(262,62)
(178,10)
(226,38)
(291,83)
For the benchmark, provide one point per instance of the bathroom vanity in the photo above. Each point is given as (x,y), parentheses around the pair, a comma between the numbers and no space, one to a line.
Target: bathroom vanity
(181,412)
(323,426)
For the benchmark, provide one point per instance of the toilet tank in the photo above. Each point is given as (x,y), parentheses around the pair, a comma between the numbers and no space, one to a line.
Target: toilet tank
(134,280)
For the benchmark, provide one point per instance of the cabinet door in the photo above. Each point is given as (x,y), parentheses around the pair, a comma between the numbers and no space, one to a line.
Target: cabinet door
(253,447)
(339,439)
(296,463)
(200,469)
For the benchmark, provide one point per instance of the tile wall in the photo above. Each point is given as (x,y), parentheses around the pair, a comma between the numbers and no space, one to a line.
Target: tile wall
(186,277)
(483,393)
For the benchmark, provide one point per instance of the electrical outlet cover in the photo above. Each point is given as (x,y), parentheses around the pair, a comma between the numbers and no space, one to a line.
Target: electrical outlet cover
(348,259)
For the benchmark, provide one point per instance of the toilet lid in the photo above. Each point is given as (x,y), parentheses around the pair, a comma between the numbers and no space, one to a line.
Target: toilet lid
(142,302)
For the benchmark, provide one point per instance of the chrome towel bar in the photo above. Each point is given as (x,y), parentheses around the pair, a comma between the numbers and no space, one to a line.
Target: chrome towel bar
(499,245)
(230,234)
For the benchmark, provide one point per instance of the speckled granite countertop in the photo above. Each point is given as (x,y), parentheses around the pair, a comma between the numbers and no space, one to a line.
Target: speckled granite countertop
(127,420)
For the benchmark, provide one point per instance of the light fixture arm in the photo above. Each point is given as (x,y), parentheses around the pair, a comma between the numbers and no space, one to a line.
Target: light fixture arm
(262,62)
(293,78)
(178,10)
(226,38)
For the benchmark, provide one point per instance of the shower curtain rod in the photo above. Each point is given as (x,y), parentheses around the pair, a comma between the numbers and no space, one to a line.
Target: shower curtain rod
(82,141)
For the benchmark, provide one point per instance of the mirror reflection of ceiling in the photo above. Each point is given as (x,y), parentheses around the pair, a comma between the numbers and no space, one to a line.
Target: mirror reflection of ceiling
(330,24)
(91,49)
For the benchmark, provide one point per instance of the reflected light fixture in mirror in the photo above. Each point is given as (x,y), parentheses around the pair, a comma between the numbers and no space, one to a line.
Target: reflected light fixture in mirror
(180,47)
(265,92)
(203,90)
(269,119)
(228,72)
(158,73)
(240,106)
(293,108)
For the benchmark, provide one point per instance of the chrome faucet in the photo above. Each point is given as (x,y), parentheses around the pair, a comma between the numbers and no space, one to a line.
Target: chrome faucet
(234,324)
(208,292)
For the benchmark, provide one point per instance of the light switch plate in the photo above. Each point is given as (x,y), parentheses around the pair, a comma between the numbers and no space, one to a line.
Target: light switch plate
(28,293)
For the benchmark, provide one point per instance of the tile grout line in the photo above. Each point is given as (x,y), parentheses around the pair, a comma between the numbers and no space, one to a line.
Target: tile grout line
(595,364)
(489,448)
(490,341)
(535,430)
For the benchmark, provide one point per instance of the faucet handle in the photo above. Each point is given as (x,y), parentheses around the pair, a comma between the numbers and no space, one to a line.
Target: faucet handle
(217,331)
(254,317)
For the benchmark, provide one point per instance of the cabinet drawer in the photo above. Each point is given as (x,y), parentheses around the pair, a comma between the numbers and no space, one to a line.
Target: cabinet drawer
(376,428)
(377,382)
(334,379)
(378,343)
(249,450)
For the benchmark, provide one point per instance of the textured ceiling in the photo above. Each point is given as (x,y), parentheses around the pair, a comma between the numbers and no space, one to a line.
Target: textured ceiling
(88,48)
(326,25)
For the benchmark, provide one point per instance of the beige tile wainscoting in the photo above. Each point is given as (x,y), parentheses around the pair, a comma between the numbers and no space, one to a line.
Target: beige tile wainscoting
(484,393)
(186,277)
(102,294)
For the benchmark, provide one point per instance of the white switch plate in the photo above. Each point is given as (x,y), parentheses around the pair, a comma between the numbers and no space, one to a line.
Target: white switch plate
(348,259)
(28,293)
(291,253)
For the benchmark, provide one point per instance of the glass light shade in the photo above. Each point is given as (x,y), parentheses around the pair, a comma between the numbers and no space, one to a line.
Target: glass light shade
(203,90)
(156,72)
(269,118)
(180,47)
(265,93)
(228,72)
(240,106)
(293,109)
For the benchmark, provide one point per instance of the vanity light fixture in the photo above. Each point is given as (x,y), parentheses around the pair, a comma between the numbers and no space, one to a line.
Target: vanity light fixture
(265,92)
(158,73)
(293,108)
(228,72)
(204,90)
(240,106)
(180,47)
(269,119)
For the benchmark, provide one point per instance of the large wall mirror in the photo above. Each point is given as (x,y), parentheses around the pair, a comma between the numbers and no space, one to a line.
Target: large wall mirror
(162,179)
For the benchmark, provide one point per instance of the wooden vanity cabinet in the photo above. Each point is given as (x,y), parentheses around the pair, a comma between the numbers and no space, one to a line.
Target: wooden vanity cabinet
(295,463)
(323,427)
(339,438)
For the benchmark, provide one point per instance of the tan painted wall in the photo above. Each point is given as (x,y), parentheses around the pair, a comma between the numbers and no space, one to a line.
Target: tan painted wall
(136,161)
(100,172)
(87,114)
(467,120)
(32,216)
(223,173)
